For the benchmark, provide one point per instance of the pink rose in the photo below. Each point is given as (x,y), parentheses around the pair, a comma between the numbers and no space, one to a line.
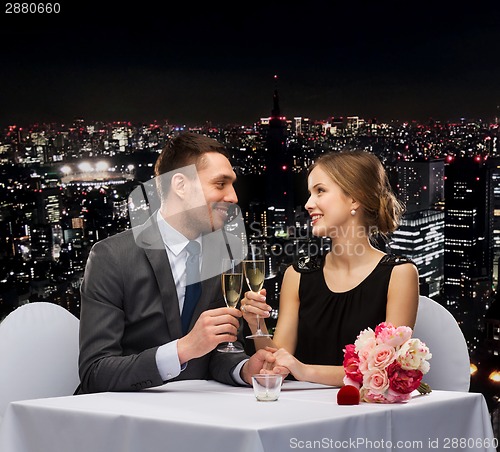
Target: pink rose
(395,397)
(403,381)
(364,351)
(370,396)
(382,327)
(376,380)
(351,364)
(380,356)
(402,334)
(394,337)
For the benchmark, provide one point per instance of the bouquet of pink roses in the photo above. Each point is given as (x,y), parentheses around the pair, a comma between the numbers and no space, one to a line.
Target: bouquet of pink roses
(386,365)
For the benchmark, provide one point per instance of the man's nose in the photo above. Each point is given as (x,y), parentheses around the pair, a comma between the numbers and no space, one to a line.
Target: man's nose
(231,195)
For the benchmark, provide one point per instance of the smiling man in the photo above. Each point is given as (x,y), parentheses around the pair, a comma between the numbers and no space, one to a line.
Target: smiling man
(142,323)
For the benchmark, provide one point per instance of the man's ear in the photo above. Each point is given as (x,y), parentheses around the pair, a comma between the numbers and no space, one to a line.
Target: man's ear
(178,184)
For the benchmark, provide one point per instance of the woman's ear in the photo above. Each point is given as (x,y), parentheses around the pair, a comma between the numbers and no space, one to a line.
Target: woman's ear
(355,204)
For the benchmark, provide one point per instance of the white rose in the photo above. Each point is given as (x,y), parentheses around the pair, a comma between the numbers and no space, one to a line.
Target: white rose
(413,355)
(365,340)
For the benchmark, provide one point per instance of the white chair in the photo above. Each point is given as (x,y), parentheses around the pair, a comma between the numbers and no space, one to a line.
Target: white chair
(450,363)
(38,353)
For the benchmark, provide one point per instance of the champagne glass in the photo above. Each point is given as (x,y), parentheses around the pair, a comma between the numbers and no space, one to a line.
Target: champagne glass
(255,274)
(232,284)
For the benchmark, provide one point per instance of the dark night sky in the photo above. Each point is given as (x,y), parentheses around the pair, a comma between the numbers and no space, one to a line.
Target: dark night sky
(191,64)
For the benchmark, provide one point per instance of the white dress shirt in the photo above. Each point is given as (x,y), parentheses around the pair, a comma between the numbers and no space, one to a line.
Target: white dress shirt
(175,243)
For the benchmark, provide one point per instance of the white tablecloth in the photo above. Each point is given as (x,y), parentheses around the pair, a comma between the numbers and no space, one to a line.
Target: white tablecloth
(206,416)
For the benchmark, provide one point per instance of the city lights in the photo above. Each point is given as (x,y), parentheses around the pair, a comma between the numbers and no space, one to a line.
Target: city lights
(76,191)
(102,166)
(85,167)
(494,376)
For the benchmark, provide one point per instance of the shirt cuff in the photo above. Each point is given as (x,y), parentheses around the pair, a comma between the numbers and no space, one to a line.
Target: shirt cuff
(236,373)
(167,361)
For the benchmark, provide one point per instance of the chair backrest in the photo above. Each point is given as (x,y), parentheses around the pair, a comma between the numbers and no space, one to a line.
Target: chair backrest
(38,353)
(450,362)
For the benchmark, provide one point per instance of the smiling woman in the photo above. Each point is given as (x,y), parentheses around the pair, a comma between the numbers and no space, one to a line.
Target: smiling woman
(329,299)
(359,180)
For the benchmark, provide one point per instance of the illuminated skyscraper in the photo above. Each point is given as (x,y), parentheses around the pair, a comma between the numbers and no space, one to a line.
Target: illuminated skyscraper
(468,256)
(494,164)
(48,206)
(41,242)
(420,237)
(279,177)
(421,184)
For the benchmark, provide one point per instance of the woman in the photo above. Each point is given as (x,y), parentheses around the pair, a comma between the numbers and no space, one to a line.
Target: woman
(326,301)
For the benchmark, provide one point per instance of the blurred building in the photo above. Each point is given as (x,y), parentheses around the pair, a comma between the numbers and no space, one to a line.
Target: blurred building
(468,225)
(494,164)
(468,256)
(279,165)
(420,237)
(420,184)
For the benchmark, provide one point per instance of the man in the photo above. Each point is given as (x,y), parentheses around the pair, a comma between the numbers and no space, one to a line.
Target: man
(135,288)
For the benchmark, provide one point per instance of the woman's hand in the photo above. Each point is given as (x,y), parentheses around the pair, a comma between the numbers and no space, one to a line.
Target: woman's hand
(254,304)
(262,362)
(284,359)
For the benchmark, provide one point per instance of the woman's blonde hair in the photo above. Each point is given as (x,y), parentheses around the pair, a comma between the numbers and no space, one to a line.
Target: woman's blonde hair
(361,176)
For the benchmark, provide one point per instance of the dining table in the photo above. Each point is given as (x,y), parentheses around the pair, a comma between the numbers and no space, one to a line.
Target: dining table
(205,416)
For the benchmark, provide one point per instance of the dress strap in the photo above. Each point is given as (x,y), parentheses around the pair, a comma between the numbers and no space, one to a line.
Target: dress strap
(395,259)
(308,264)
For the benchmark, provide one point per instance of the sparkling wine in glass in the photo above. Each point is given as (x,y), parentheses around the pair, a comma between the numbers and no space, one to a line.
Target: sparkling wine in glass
(255,274)
(232,284)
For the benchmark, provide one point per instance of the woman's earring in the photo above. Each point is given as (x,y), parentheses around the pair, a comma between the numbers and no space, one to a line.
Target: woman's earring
(353,212)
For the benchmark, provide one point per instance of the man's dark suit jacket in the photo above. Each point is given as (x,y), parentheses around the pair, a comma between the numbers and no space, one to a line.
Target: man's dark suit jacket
(130,307)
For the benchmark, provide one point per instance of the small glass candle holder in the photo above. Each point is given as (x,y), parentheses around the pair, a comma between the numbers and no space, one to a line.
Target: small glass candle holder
(267,387)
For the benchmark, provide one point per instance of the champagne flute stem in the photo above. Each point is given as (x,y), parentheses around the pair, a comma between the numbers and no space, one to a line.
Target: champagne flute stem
(258,325)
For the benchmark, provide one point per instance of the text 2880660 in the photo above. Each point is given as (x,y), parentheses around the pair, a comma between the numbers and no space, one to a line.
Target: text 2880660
(32,8)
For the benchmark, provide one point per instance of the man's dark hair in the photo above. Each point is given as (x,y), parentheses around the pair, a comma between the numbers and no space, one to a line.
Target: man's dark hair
(186,149)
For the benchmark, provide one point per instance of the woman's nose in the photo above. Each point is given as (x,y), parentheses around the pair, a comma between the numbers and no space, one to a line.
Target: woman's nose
(309,204)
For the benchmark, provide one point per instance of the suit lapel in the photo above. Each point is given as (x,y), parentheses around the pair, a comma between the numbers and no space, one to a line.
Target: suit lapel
(157,255)
(213,251)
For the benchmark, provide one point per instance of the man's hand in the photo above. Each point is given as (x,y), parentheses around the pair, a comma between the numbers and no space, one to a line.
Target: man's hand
(262,362)
(285,360)
(211,329)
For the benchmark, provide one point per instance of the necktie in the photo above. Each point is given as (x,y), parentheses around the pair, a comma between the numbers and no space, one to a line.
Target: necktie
(193,284)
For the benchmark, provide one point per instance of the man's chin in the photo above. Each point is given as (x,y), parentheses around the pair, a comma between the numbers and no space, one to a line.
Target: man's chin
(216,223)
